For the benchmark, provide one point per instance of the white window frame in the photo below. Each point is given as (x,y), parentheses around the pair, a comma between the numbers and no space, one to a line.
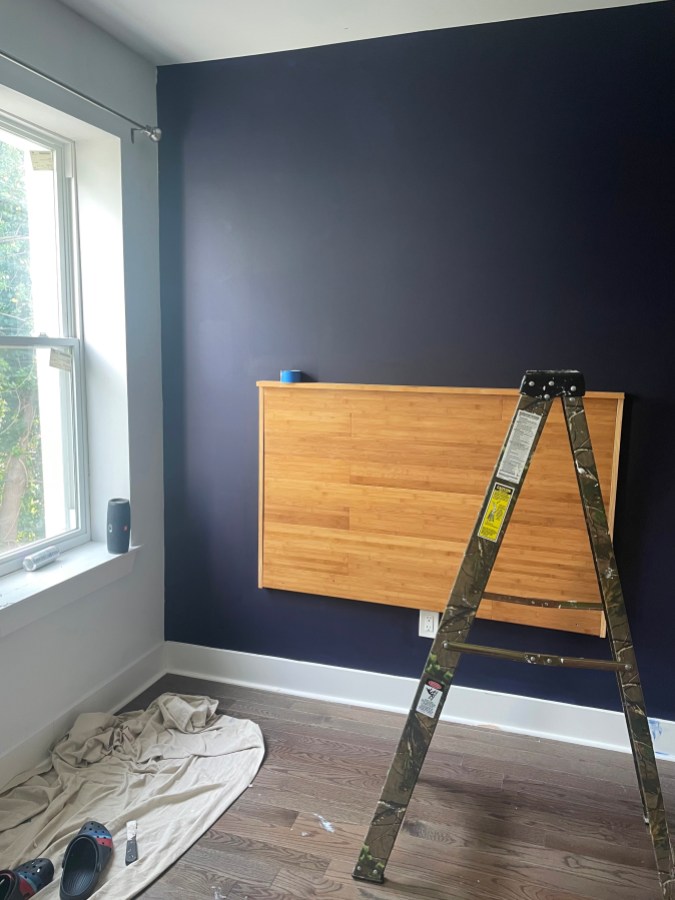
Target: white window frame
(71,326)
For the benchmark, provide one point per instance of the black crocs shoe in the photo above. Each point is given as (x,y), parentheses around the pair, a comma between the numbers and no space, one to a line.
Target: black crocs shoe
(26,880)
(86,857)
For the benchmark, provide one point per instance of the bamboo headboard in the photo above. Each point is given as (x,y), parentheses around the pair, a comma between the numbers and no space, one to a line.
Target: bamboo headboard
(370,492)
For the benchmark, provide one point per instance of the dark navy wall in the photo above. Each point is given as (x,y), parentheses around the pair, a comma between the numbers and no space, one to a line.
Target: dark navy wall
(444,208)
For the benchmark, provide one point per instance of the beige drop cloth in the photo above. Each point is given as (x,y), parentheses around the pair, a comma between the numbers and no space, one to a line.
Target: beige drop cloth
(175,768)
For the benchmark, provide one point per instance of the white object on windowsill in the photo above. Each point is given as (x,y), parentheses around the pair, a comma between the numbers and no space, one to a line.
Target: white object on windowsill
(40,559)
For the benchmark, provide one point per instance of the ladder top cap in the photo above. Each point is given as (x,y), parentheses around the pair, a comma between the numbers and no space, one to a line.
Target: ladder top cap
(544,384)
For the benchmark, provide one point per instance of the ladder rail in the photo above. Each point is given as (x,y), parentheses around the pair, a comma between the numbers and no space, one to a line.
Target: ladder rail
(621,641)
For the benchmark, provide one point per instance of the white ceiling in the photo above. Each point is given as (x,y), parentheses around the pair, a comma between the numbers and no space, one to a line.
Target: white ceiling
(178,31)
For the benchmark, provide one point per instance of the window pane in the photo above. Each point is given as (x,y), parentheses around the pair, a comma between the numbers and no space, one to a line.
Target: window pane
(29,252)
(38,481)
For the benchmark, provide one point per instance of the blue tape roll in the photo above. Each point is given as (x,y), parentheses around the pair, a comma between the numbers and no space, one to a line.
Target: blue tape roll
(290,376)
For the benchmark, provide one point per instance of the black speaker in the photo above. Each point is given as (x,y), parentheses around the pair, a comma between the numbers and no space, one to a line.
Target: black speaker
(119,525)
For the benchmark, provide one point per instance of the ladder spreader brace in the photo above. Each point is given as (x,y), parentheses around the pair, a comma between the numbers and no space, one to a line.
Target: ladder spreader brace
(537,393)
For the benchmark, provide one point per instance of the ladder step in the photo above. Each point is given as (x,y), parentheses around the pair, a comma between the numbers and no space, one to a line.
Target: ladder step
(549,604)
(538,659)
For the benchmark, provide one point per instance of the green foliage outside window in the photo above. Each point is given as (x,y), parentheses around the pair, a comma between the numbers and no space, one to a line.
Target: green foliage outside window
(21,497)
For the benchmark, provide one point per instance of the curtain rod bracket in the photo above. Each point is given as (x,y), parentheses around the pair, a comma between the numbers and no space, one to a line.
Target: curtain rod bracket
(154,133)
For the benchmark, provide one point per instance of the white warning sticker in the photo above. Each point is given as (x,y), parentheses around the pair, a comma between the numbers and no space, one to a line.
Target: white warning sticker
(42,160)
(518,446)
(61,359)
(430,698)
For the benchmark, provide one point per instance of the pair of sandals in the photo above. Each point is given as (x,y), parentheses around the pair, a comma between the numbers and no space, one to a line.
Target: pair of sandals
(87,855)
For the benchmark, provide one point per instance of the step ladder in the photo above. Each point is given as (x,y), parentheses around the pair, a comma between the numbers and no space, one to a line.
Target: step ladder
(538,391)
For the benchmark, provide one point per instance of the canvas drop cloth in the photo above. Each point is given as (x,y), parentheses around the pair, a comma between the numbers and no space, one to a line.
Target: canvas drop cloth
(175,768)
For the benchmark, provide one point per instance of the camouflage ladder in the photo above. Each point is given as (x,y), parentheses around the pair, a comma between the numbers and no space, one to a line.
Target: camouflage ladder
(537,393)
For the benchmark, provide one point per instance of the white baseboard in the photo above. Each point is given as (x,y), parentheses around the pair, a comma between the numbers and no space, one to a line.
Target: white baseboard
(112,695)
(525,715)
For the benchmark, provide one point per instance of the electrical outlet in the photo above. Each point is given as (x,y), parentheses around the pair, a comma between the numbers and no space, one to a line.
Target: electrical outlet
(428,623)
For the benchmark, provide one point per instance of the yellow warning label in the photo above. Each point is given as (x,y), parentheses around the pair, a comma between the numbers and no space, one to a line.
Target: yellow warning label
(496,512)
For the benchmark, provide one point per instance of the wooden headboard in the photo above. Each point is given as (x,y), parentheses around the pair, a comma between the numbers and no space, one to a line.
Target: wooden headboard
(370,492)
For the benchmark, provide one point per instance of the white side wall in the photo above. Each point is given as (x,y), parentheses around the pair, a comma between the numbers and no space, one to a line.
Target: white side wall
(49,668)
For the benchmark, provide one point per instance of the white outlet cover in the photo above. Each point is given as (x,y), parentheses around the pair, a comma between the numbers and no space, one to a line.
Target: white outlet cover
(428,625)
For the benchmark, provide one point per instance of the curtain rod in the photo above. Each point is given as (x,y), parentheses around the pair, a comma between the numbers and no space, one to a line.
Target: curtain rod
(152,131)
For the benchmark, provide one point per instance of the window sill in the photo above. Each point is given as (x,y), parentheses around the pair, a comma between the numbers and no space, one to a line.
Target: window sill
(26,597)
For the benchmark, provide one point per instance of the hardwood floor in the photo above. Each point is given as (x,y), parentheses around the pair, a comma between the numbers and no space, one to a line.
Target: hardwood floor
(494,815)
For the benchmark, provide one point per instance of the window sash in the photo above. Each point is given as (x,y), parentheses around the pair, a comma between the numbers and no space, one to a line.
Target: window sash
(71,538)
(70,337)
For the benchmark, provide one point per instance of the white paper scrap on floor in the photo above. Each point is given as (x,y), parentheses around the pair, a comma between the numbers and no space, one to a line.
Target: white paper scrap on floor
(174,768)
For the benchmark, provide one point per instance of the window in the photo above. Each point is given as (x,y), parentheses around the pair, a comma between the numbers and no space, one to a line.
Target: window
(43,496)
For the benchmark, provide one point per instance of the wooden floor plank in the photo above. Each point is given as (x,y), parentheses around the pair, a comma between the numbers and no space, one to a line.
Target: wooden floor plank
(495,816)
